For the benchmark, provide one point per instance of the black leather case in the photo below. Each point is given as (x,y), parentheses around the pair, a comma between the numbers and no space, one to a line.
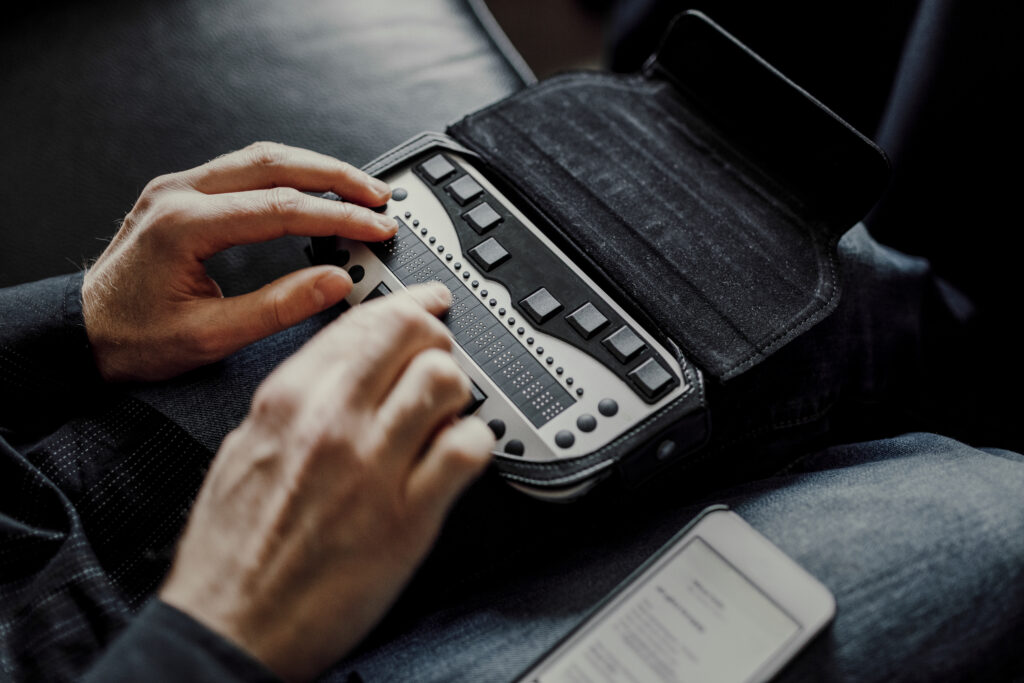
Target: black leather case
(707,194)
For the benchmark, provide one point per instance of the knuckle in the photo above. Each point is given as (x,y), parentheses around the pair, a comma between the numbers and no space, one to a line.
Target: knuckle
(275,312)
(161,183)
(443,374)
(284,201)
(205,344)
(265,153)
(275,397)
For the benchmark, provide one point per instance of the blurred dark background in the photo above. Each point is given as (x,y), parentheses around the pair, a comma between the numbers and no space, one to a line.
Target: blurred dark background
(933,82)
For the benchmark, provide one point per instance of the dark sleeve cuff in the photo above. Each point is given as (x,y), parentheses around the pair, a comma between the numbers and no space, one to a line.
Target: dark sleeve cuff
(46,362)
(164,644)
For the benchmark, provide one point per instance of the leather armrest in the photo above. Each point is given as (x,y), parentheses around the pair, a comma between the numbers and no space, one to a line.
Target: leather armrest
(98,98)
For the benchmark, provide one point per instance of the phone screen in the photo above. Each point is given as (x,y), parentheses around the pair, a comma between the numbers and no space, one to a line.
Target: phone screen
(692,617)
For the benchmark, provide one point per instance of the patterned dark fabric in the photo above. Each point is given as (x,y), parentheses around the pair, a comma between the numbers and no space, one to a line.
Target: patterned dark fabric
(90,508)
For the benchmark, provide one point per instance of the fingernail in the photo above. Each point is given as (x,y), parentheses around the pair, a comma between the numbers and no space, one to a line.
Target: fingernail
(387,223)
(443,294)
(380,186)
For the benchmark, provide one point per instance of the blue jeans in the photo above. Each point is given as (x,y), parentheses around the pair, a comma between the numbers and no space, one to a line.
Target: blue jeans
(920,537)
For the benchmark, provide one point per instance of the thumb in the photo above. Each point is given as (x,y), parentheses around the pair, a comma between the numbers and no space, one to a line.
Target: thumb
(241,320)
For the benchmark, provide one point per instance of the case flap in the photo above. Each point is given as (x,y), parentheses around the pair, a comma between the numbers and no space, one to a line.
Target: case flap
(709,194)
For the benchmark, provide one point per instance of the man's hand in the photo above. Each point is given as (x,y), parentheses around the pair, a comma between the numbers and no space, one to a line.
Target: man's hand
(152,312)
(320,505)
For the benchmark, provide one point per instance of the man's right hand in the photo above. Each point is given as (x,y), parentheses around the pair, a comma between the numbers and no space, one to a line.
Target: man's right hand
(319,507)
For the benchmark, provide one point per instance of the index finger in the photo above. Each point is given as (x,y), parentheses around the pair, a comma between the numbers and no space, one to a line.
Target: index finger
(377,340)
(265,165)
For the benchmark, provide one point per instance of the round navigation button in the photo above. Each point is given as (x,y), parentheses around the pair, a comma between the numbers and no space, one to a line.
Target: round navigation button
(565,439)
(608,407)
(399,193)
(357,273)
(515,447)
(498,427)
(586,422)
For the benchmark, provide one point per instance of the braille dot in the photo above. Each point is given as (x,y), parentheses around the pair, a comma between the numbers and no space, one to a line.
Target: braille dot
(568,380)
(447,257)
(475,283)
(521,330)
(529,340)
(416,223)
(501,311)
(440,249)
(493,302)
(432,239)
(559,370)
(579,391)
(540,350)
(549,360)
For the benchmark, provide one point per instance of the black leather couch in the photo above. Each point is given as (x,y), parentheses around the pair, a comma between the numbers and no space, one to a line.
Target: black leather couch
(101,97)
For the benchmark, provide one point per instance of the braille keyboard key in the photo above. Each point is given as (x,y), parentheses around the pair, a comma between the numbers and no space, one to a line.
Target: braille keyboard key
(488,253)
(515,447)
(624,344)
(541,305)
(482,218)
(650,377)
(465,189)
(378,291)
(476,399)
(437,168)
(587,320)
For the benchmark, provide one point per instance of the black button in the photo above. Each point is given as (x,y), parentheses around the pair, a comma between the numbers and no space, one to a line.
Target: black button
(437,168)
(476,399)
(565,439)
(380,290)
(488,253)
(465,189)
(586,422)
(356,273)
(399,193)
(587,320)
(650,377)
(624,344)
(482,218)
(515,447)
(497,427)
(541,305)
(607,407)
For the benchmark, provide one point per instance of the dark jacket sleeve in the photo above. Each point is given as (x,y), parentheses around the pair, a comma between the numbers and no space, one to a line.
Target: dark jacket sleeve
(163,644)
(46,365)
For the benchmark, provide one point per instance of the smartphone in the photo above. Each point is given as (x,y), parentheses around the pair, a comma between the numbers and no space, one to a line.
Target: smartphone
(719,603)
